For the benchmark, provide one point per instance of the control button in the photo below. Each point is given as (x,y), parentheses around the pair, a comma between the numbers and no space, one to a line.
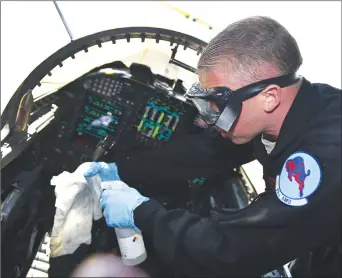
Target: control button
(87,84)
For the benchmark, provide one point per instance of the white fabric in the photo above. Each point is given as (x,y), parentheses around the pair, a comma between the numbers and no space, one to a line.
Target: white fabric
(94,184)
(269,145)
(77,205)
(74,212)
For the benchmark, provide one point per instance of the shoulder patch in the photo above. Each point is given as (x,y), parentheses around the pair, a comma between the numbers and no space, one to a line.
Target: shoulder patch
(299,178)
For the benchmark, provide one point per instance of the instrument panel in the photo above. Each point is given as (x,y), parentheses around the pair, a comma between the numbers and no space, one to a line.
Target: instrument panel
(116,104)
(136,116)
(159,120)
(97,119)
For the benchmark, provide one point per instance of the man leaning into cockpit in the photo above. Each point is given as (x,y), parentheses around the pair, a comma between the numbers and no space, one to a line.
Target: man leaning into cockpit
(261,109)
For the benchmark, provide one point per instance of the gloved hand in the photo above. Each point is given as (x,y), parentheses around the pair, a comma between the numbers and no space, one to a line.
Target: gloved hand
(119,205)
(118,200)
(107,171)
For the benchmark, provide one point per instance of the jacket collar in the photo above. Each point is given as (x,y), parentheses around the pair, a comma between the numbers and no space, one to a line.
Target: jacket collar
(296,120)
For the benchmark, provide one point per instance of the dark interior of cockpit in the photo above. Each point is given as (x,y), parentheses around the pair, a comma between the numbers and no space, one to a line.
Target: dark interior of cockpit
(107,114)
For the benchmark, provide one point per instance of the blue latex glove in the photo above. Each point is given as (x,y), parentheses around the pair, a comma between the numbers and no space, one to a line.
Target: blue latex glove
(119,205)
(106,171)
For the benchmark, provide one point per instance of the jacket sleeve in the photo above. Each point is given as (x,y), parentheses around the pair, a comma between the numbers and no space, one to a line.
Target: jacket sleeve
(253,241)
(192,156)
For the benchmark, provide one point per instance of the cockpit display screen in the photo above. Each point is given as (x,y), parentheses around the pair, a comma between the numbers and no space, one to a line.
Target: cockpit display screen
(159,120)
(98,118)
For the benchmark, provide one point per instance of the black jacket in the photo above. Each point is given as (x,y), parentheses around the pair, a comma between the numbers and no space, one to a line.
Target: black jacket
(269,232)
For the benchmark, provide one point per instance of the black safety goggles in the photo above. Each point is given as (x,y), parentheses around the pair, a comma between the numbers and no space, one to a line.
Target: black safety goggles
(221,106)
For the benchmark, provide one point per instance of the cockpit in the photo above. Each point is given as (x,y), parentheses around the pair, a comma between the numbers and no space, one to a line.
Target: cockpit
(108,114)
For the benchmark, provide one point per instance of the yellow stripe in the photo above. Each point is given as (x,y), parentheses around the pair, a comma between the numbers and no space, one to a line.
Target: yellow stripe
(161,117)
(187,15)
(143,54)
(47,82)
(200,21)
(140,125)
(155,132)
(184,13)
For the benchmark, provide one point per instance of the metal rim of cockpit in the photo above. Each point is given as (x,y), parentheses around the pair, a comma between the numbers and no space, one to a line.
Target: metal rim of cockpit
(82,44)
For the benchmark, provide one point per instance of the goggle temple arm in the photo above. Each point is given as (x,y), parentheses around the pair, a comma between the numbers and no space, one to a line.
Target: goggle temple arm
(226,119)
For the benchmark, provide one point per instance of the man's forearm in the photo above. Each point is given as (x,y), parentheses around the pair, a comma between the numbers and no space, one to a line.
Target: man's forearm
(192,156)
(250,242)
(146,214)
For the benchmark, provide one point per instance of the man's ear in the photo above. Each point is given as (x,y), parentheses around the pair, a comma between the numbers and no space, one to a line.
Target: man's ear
(271,98)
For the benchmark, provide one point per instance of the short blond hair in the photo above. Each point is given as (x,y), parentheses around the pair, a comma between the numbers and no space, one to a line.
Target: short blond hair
(250,47)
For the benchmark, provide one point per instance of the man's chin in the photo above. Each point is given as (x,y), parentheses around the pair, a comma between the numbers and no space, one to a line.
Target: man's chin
(238,141)
(225,134)
(234,139)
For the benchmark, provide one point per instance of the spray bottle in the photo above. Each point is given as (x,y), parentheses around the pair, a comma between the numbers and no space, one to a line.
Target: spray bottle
(131,242)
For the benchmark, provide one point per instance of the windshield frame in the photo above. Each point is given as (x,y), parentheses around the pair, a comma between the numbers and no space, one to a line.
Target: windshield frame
(82,44)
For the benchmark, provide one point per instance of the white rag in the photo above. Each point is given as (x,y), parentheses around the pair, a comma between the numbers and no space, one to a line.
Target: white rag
(75,212)
(77,205)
